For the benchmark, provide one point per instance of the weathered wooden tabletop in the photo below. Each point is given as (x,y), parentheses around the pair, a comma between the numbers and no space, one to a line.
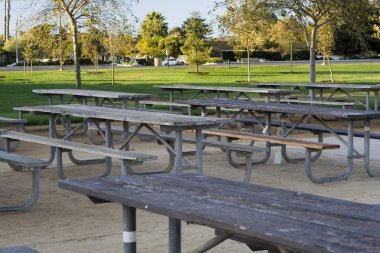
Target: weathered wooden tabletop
(293,220)
(322,85)
(94,93)
(126,115)
(224,89)
(284,108)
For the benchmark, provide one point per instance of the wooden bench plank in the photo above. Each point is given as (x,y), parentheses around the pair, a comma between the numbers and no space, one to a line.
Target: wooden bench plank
(272,139)
(11,120)
(316,102)
(24,164)
(166,103)
(103,151)
(17,250)
(272,216)
(311,128)
(23,161)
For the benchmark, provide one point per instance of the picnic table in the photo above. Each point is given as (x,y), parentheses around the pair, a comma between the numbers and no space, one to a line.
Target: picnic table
(335,88)
(318,113)
(143,119)
(16,123)
(241,92)
(265,218)
(100,97)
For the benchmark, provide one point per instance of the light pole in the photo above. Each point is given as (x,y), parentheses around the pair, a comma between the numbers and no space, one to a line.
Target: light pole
(17,40)
(167,57)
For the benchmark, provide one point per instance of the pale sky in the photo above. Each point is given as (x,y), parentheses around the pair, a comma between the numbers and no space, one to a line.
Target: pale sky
(175,11)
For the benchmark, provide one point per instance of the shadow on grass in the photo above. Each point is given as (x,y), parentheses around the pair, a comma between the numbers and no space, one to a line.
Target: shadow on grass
(199,73)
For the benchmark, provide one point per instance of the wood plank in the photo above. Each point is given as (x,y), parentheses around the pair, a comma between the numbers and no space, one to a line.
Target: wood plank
(224,89)
(317,102)
(17,250)
(94,93)
(167,103)
(311,128)
(323,85)
(128,115)
(273,216)
(22,160)
(284,108)
(103,151)
(11,121)
(272,139)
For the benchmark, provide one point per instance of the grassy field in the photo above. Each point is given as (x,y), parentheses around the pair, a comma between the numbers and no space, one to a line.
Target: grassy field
(16,91)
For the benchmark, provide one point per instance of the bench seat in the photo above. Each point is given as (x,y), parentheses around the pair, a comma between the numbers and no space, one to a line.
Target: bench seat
(286,220)
(310,128)
(12,121)
(316,102)
(132,158)
(244,150)
(310,146)
(17,250)
(23,163)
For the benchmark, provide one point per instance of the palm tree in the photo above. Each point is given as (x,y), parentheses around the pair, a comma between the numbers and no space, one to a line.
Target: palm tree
(154,25)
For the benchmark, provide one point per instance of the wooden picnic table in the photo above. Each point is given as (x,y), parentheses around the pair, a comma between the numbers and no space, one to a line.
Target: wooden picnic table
(225,90)
(144,119)
(335,88)
(318,113)
(16,123)
(265,218)
(100,96)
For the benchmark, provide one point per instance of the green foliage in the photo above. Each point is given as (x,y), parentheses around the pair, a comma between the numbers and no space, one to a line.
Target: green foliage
(154,25)
(196,45)
(173,42)
(287,34)
(10,45)
(153,30)
(215,60)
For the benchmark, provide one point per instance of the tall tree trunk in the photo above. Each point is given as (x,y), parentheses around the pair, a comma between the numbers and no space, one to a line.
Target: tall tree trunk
(313,45)
(291,56)
(113,69)
(249,66)
(331,71)
(7,17)
(61,61)
(76,52)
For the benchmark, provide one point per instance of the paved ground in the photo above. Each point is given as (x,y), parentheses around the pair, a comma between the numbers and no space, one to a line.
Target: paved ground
(63,222)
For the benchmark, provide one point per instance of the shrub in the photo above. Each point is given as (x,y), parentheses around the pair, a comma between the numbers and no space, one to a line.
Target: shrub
(215,60)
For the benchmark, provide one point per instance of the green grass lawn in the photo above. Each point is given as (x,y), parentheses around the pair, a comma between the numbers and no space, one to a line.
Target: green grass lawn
(15,91)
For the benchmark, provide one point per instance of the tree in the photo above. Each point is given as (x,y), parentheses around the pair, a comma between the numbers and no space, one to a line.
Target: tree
(43,39)
(117,44)
(153,30)
(154,25)
(173,42)
(286,34)
(248,21)
(80,12)
(7,17)
(314,14)
(31,51)
(325,46)
(196,44)
(91,46)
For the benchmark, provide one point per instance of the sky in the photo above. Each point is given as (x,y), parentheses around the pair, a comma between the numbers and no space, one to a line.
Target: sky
(175,11)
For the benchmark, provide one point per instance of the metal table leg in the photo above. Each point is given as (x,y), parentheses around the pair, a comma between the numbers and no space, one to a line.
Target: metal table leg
(174,235)
(129,229)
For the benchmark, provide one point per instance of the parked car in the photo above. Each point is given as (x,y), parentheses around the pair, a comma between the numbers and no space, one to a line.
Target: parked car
(170,62)
(141,62)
